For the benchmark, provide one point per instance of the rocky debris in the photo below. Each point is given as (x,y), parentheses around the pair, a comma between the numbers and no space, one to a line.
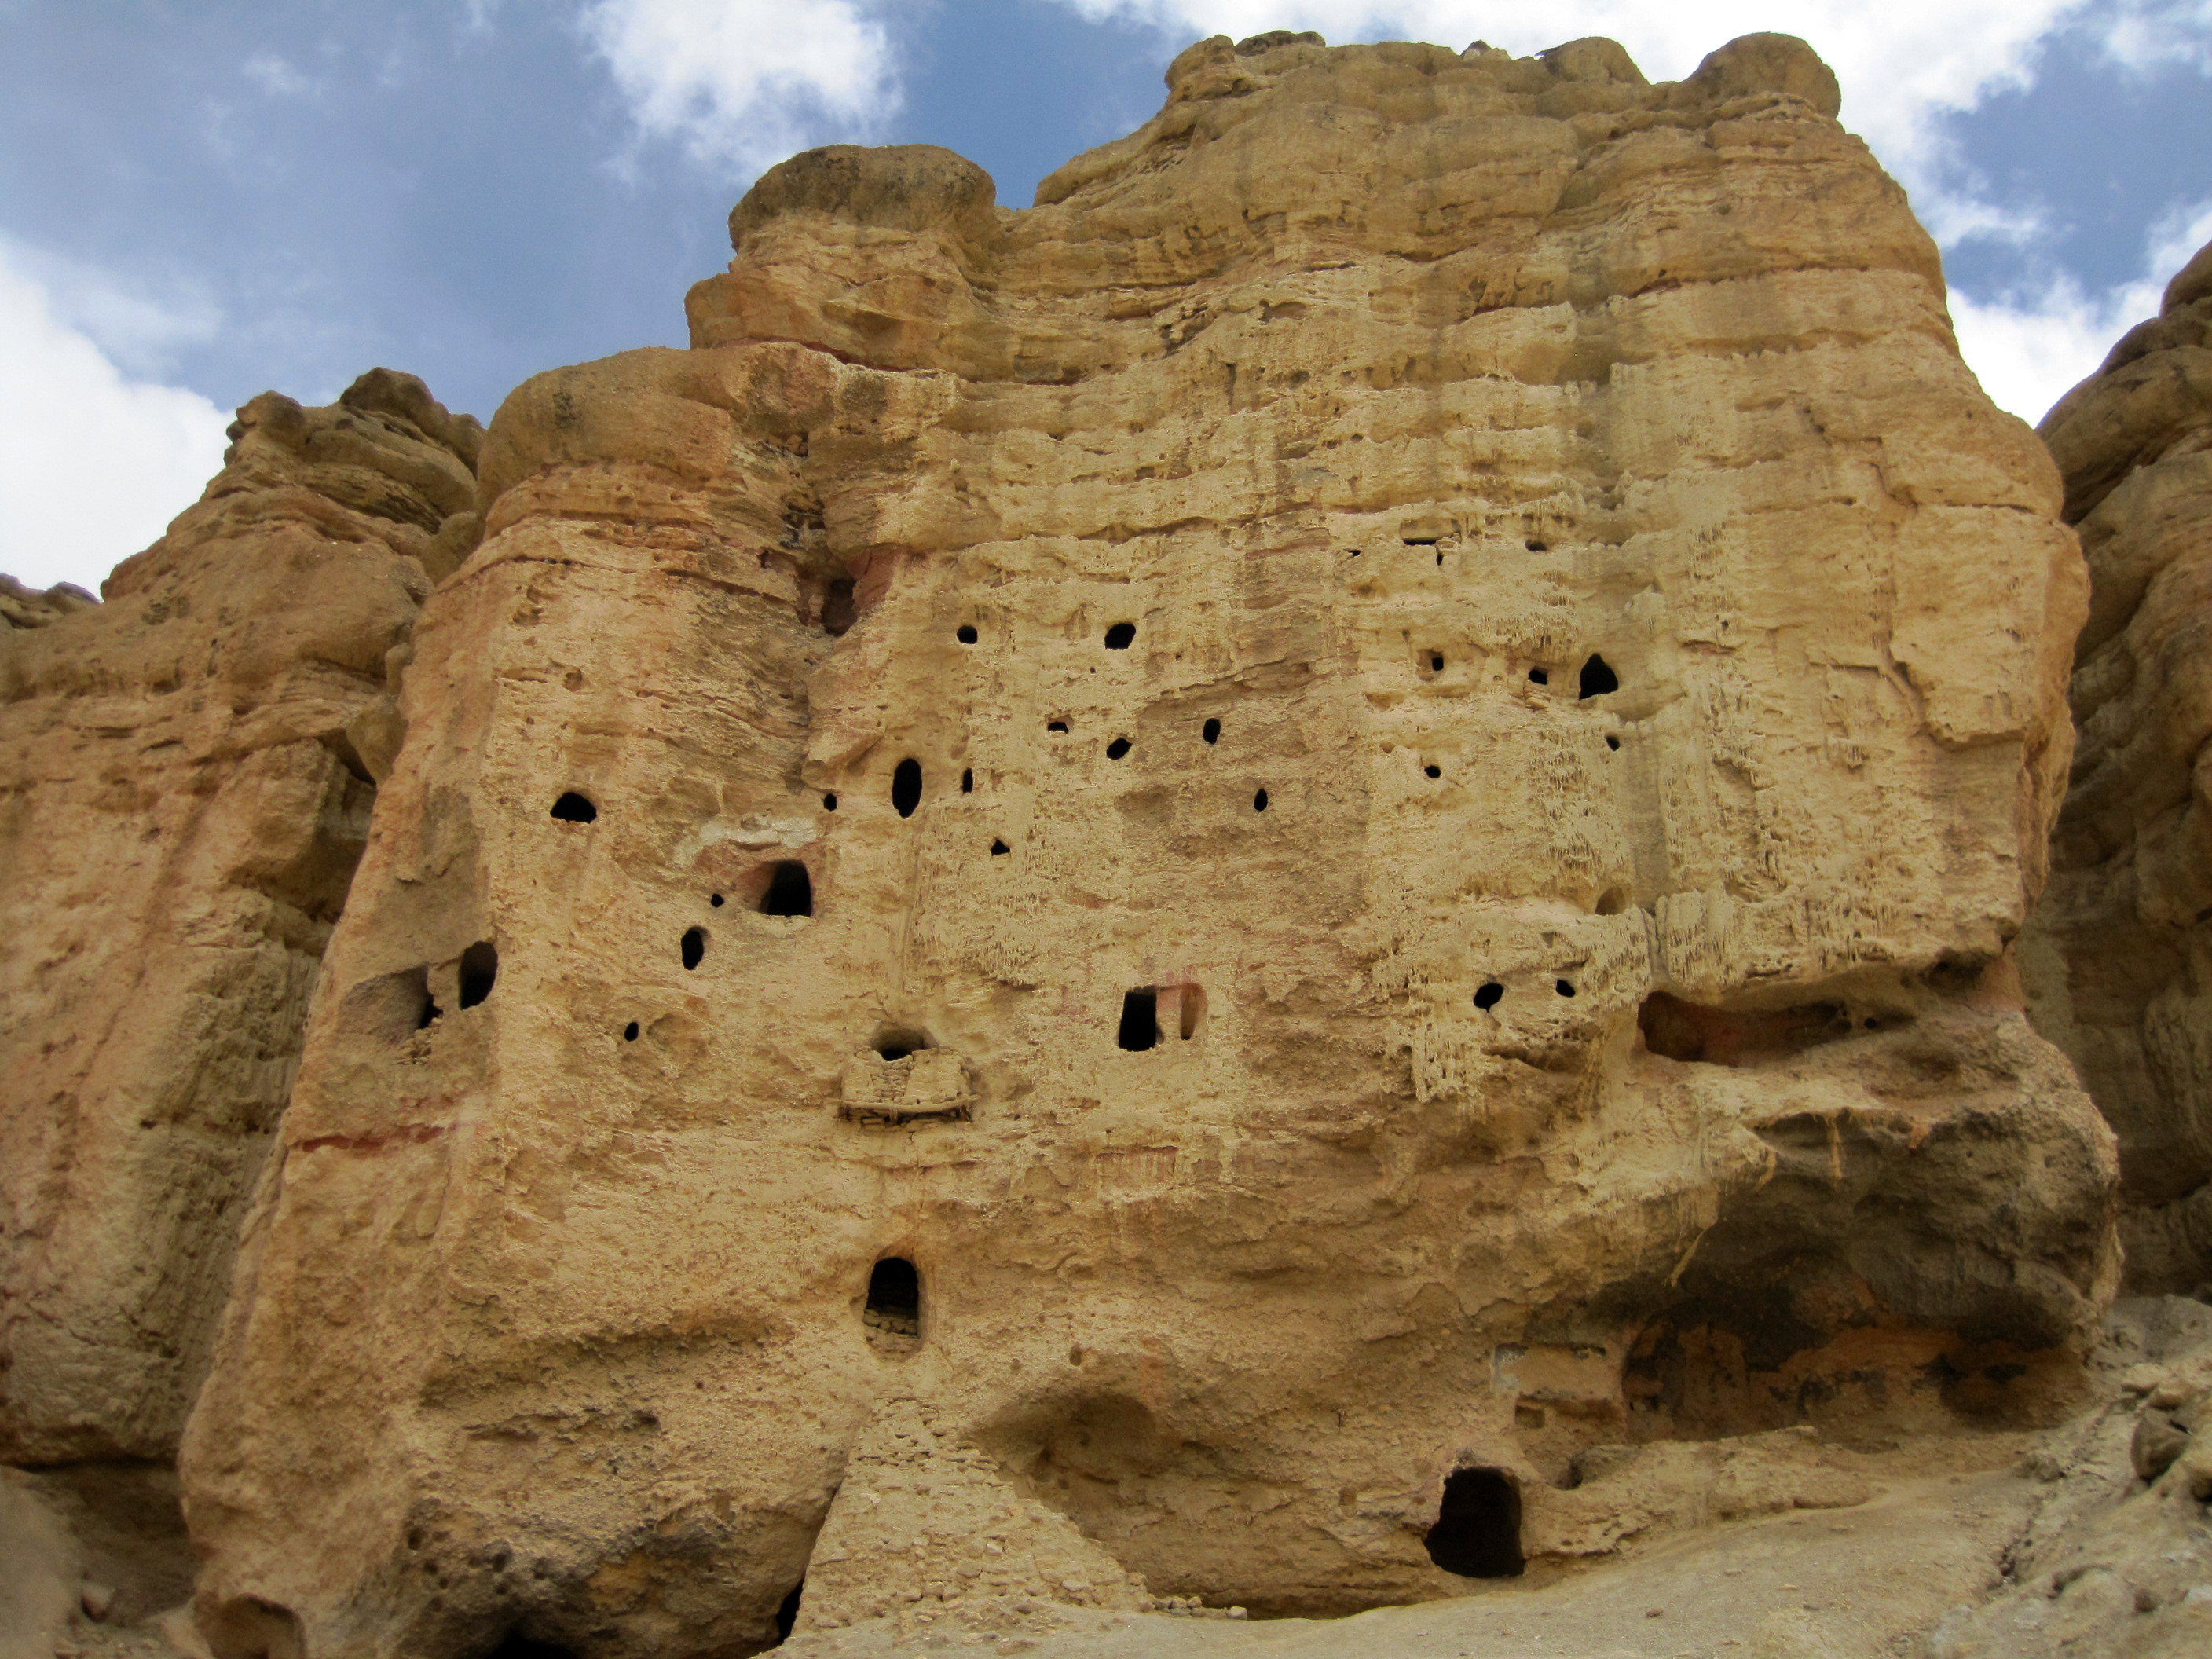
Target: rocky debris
(188,771)
(2119,955)
(1409,870)
(2117,1557)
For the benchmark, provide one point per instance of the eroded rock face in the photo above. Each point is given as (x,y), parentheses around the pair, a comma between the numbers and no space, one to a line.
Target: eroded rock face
(2121,950)
(188,773)
(1322,827)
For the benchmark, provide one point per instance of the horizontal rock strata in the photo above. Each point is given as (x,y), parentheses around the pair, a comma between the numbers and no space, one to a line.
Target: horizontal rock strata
(1320,830)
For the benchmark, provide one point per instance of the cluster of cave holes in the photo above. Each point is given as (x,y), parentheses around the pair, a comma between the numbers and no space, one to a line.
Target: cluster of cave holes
(1477,1532)
(789,891)
(1492,992)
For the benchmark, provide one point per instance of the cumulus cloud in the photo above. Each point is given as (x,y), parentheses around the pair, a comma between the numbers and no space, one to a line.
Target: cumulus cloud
(742,84)
(2030,349)
(94,462)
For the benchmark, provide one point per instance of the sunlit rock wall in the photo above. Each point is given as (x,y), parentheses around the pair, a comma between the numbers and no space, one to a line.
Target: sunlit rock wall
(1347,805)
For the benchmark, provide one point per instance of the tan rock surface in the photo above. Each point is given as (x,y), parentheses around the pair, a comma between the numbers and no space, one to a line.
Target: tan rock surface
(1414,719)
(2120,954)
(186,791)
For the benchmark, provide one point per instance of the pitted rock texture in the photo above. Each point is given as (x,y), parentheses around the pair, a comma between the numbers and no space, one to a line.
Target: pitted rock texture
(187,778)
(2120,949)
(1327,824)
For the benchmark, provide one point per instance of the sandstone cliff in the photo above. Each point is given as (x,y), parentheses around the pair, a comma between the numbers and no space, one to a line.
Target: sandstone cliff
(185,774)
(1303,843)
(2121,949)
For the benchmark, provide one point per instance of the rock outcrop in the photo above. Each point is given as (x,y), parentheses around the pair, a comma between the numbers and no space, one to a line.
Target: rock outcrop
(1321,829)
(2120,950)
(185,776)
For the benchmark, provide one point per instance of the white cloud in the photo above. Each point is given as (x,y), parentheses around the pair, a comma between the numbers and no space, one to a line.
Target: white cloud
(277,78)
(742,84)
(94,464)
(2030,350)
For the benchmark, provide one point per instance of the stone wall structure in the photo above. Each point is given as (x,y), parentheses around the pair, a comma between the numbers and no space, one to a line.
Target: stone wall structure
(2120,949)
(185,777)
(1290,842)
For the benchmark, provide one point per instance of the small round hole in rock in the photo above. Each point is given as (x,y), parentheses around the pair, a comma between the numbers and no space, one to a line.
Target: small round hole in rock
(629,1032)
(829,803)
(967,634)
(1612,742)
(1565,987)
(694,947)
(968,780)
(1612,902)
(716,900)
(572,808)
(1260,801)
(1538,677)
(1211,731)
(1436,665)
(997,849)
(1490,995)
(906,787)
(1116,748)
(790,891)
(1121,636)
(479,972)
(1477,1530)
(1597,678)
(1539,547)
(1433,771)
(1055,726)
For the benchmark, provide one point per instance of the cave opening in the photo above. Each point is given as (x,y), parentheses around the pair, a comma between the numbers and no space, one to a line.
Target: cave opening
(1597,678)
(1211,731)
(997,849)
(629,1032)
(790,891)
(1538,677)
(894,1302)
(968,780)
(1260,801)
(1116,748)
(694,947)
(575,808)
(1121,636)
(966,636)
(479,972)
(786,1612)
(839,612)
(1141,1019)
(906,787)
(1490,995)
(1477,1530)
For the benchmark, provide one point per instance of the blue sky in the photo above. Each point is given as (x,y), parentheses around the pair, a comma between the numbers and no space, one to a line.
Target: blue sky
(200,200)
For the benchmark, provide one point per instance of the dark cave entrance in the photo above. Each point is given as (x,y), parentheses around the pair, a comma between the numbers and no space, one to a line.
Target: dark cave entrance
(1477,1530)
